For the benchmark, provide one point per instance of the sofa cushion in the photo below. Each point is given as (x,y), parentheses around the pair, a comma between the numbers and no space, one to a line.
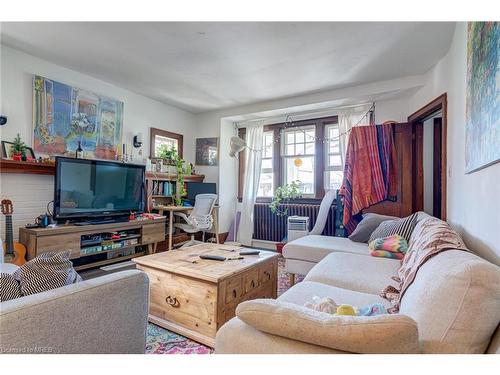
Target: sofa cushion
(237,337)
(404,227)
(313,248)
(305,291)
(354,272)
(455,299)
(358,334)
(366,226)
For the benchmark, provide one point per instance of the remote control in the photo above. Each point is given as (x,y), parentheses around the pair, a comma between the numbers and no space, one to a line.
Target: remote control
(249,252)
(213,257)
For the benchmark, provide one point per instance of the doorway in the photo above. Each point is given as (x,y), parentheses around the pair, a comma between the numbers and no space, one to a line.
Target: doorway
(429,157)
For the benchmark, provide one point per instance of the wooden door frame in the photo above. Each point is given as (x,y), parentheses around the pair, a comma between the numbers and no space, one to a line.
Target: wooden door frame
(416,120)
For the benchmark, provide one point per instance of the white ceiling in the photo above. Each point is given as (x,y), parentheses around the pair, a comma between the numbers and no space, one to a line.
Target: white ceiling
(207,66)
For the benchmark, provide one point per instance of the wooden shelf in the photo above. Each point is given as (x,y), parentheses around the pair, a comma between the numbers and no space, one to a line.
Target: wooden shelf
(108,261)
(172,177)
(110,250)
(14,166)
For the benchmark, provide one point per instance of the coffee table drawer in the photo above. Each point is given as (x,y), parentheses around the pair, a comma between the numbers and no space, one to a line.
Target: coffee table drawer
(233,290)
(251,280)
(185,301)
(266,273)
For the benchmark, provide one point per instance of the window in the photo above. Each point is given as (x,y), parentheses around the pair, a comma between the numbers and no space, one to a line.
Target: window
(298,152)
(161,137)
(316,163)
(333,157)
(266,182)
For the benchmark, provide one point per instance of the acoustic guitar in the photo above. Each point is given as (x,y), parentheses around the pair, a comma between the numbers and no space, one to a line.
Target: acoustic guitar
(15,252)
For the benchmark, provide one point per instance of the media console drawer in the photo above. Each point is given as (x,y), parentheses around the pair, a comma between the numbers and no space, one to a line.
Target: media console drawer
(61,242)
(153,233)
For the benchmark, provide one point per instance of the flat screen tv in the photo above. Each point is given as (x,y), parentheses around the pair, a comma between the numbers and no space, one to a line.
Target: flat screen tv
(95,189)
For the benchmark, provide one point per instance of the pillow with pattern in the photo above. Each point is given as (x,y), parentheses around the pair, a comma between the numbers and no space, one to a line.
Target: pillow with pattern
(45,272)
(403,227)
(394,247)
(9,287)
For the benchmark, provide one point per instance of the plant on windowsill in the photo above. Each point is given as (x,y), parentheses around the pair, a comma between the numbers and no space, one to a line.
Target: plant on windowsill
(18,149)
(283,195)
(168,154)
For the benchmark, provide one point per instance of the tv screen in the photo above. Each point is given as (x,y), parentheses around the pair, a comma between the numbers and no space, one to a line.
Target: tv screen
(86,188)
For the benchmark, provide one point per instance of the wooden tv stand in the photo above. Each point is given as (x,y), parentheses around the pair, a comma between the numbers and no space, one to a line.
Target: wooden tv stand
(69,237)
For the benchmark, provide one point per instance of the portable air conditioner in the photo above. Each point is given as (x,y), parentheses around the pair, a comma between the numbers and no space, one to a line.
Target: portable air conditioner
(298,226)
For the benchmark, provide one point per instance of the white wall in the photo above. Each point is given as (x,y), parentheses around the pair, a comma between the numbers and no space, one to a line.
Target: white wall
(30,193)
(473,204)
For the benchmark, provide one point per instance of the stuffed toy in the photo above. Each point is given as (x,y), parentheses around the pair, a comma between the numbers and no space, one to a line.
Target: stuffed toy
(325,304)
(328,305)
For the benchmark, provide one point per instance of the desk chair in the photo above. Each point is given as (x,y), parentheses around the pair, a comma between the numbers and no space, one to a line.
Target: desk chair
(200,219)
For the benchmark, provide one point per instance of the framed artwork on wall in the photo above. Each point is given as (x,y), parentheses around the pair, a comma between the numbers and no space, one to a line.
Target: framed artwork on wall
(65,117)
(207,151)
(482,127)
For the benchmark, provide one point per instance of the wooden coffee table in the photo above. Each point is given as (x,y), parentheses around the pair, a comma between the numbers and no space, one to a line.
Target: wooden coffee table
(196,299)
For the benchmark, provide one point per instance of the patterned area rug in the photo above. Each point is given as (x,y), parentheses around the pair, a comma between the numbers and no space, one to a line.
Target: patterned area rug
(162,341)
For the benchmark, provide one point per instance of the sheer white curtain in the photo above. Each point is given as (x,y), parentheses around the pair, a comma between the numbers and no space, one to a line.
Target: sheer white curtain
(254,135)
(349,117)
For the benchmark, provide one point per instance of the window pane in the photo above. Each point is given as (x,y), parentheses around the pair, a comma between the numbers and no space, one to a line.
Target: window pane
(333,132)
(267,163)
(290,150)
(168,142)
(265,185)
(310,135)
(299,149)
(304,173)
(290,138)
(267,145)
(335,161)
(299,137)
(333,179)
(334,146)
(310,148)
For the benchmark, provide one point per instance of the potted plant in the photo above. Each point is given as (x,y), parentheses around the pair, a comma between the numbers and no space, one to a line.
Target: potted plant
(283,195)
(168,155)
(180,191)
(18,149)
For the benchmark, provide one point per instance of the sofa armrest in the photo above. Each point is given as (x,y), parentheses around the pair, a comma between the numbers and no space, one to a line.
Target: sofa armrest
(358,334)
(107,314)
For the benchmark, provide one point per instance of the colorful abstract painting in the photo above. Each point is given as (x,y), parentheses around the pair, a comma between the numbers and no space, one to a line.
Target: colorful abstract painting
(482,143)
(65,116)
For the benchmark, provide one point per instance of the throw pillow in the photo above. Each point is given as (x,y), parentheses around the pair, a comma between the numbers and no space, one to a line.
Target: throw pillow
(394,244)
(45,272)
(9,287)
(404,227)
(366,227)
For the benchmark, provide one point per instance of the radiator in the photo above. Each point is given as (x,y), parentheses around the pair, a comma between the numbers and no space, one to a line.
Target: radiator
(270,227)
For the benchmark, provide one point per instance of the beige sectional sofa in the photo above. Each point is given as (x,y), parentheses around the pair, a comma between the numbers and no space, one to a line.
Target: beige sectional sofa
(453,303)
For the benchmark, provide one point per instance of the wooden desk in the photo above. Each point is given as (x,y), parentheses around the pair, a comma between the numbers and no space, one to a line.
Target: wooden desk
(171,210)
